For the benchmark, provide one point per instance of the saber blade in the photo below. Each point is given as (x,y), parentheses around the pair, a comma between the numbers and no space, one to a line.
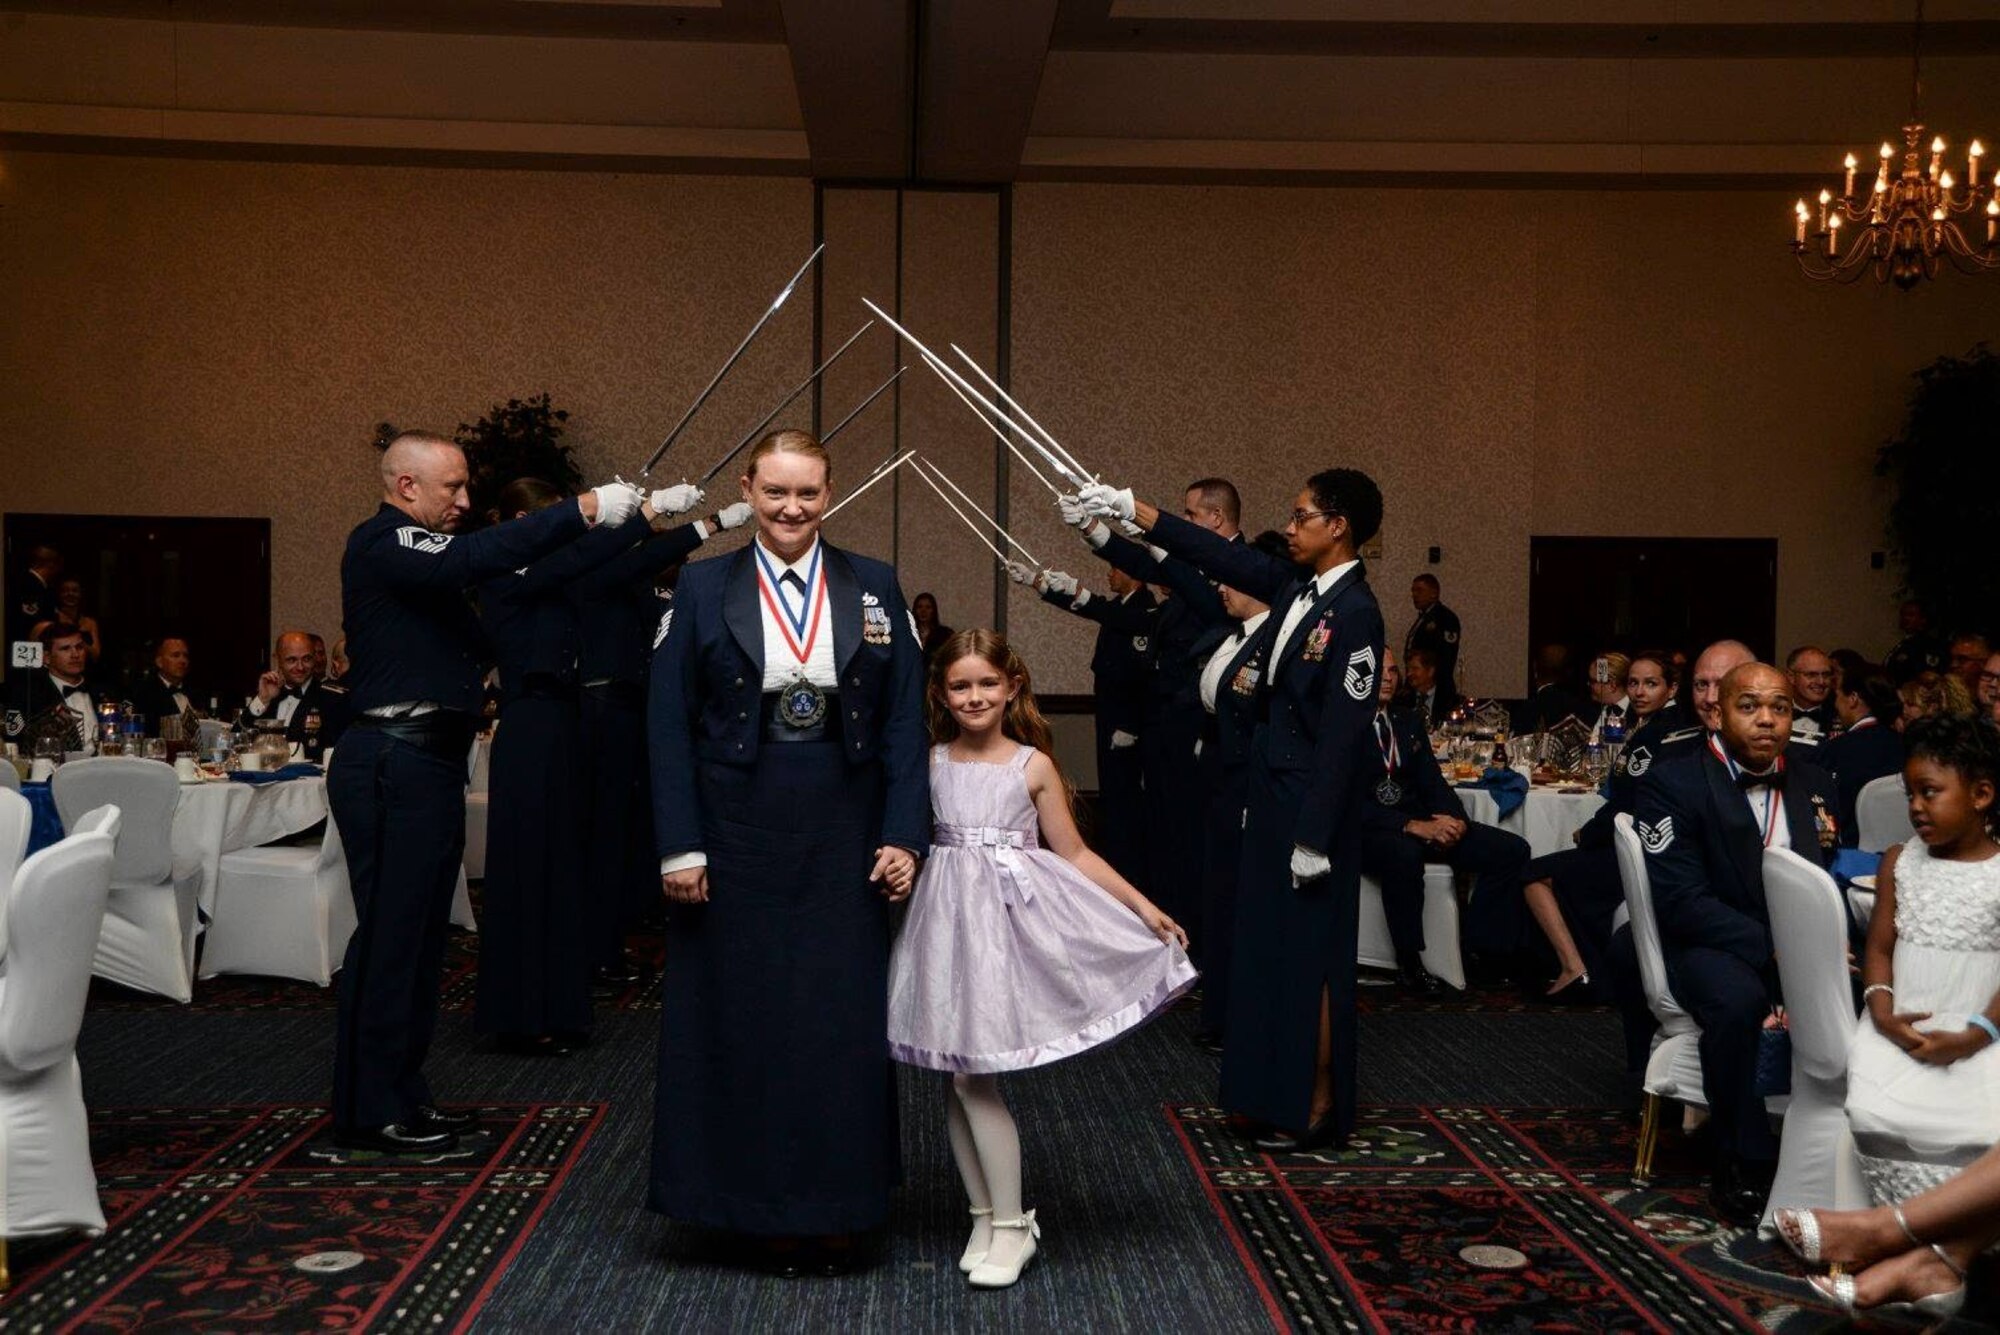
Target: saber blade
(877,476)
(973,505)
(863,405)
(801,388)
(1004,437)
(1015,405)
(748,338)
(960,513)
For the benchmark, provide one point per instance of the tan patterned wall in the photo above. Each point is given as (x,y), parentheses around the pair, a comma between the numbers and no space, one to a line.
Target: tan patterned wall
(219,337)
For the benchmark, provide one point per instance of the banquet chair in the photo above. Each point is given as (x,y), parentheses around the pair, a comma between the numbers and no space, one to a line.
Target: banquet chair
(281,910)
(1375,948)
(1673,1071)
(479,768)
(17,822)
(1882,814)
(9,776)
(53,916)
(1818,1167)
(148,941)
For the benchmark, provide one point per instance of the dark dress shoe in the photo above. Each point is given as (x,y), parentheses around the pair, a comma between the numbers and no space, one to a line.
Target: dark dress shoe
(621,974)
(428,1118)
(1576,992)
(1320,1135)
(1737,1192)
(395,1138)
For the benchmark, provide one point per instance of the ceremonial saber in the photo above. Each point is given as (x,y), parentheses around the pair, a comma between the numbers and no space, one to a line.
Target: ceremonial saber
(961,514)
(945,478)
(1015,404)
(875,477)
(702,397)
(937,364)
(863,406)
(1003,437)
(783,403)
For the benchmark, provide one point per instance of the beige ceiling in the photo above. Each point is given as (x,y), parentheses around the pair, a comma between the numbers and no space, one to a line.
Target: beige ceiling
(1489,91)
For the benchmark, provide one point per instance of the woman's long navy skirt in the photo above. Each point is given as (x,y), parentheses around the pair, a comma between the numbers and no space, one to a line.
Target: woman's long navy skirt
(534,956)
(775,1111)
(1291,944)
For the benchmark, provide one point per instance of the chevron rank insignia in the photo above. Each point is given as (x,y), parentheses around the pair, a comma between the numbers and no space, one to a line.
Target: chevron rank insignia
(1360,678)
(422,539)
(1656,838)
(666,624)
(1637,762)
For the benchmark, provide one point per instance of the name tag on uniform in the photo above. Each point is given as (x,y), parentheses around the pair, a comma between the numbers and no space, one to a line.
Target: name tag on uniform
(1317,640)
(875,627)
(1244,683)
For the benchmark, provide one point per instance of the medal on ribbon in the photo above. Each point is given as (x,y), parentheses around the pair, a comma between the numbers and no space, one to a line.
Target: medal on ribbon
(801,704)
(1387,791)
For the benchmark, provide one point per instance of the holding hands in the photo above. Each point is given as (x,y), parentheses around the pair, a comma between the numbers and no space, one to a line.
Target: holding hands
(896,870)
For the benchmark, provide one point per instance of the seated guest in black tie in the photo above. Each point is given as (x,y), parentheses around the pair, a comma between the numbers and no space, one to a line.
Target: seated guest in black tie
(1574,893)
(1605,679)
(1413,818)
(1870,744)
(162,693)
(1705,820)
(1425,692)
(295,695)
(58,693)
(1550,701)
(1812,676)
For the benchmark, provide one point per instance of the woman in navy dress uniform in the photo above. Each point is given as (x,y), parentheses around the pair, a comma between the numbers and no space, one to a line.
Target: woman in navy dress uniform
(790,804)
(1290,1050)
(534,978)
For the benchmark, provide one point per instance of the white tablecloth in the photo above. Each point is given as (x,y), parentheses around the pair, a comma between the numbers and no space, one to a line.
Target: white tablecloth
(218,818)
(1547,819)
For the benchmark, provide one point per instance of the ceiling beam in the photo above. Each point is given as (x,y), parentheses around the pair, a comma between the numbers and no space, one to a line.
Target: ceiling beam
(851,62)
(981,66)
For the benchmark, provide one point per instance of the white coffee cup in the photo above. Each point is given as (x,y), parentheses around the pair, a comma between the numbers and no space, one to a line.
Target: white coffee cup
(184,769)
(42,770)
(250,762)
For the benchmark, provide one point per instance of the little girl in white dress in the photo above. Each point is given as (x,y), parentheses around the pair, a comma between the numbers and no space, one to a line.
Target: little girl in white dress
(1022,946)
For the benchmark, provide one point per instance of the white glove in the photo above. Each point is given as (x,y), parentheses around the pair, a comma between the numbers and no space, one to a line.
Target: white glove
(735,516)
(1122,740)
(676,500)
(1308,865)
(1020,573)
(1055,581)
(1107,502)
(617,502)
(1073,512)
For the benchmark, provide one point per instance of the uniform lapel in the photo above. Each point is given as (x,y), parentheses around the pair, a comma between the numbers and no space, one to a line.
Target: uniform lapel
(1313,615)
(740,609)
(1799,819)
(1740,839)
(843,603)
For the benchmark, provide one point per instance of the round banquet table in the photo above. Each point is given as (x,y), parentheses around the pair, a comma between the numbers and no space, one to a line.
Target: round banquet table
(1547,818)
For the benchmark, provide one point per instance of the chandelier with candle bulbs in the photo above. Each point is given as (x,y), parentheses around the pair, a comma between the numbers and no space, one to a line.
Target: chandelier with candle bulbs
(1907,224)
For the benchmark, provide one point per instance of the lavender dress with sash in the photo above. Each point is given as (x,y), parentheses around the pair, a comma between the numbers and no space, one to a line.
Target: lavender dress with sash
(1010,958)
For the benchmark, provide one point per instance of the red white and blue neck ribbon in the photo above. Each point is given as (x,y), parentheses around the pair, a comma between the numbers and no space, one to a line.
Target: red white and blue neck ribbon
(800,632)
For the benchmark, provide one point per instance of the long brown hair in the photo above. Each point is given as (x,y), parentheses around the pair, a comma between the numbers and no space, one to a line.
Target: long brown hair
(1023,720)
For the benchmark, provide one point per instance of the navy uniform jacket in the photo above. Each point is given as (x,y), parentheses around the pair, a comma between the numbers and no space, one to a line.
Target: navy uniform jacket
(528,615)
(1318,697)
(335,706)
(1424,790)
(1190,626)
(1549,706)
(411,634)
(1913,656)
(617,610)
(31,692)
(29,602)
(706,694)
(1444,700)
(1856,757)
(1670,732)
(1436,630)
(1226,737)
(1812,729)
(1705,855)
(154,699)
(1120,664)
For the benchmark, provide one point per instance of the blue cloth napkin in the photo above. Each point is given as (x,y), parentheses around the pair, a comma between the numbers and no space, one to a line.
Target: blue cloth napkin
(304,769)
(1508,787)
(46,828)
(1849,863)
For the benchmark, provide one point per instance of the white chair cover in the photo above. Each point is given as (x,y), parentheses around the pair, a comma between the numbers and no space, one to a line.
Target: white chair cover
(1817,1164)
(9,776)
(17,823)
(53,918)
(1882,814)
(461,904)
(1375,947)
(1674,1069)
(281,910)
(148,941)
(476,809)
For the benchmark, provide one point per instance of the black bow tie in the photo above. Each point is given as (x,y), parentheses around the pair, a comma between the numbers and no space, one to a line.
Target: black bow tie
(1310,592)
(1775,779)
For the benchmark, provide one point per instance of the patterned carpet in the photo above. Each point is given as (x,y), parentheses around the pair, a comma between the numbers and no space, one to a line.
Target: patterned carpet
(248,1218)
(1376,1238)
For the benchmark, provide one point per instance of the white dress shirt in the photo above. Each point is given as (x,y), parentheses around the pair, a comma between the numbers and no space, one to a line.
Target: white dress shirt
(781,665)
(1218,662)
(77,699)
(281,709)
(179,694)
(1296,613)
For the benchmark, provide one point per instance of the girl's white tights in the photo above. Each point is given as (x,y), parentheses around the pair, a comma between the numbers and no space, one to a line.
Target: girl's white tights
(988,1151)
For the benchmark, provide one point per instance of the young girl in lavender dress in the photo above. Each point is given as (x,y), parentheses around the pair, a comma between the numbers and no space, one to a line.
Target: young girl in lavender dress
(1022,947)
